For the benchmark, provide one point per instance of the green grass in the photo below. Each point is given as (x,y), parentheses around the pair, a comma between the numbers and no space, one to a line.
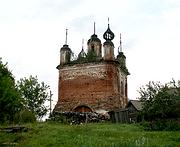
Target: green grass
(90,135)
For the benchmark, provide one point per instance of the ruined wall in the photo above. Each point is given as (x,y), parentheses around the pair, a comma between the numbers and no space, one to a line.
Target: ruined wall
(96,85)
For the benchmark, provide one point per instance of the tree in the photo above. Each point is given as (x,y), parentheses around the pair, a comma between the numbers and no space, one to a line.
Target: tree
(34,95)
(9,96)
(160,101)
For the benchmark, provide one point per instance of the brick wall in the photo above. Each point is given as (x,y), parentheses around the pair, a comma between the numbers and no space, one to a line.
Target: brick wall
(96,85)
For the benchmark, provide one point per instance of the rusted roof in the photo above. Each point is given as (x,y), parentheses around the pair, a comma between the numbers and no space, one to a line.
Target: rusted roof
(137,104)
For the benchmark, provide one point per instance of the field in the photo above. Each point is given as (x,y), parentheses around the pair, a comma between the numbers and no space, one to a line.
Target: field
(89,135)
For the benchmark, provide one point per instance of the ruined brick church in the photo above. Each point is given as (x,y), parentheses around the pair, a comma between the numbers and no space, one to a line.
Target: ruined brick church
(92,82)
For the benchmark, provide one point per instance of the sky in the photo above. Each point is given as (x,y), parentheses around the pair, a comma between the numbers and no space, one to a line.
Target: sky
(33,31)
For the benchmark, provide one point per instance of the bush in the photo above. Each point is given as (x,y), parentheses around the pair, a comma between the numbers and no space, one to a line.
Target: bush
(162,125)
(25,116)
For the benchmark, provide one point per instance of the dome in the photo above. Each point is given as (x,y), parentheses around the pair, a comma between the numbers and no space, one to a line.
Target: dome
(108,35)
(82,54)
(94,38)
(65,48)
(121,55)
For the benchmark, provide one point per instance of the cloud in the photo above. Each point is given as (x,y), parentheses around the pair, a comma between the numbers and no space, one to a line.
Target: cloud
(32,33)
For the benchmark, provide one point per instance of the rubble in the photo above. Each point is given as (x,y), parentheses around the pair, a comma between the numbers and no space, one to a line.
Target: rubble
(79,117)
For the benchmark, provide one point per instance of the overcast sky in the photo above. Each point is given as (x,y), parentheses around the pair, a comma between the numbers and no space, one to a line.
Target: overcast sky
(33,31)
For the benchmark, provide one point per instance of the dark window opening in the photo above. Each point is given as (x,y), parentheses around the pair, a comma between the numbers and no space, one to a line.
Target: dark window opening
(126,90)
(92,47)
(82,109)
(122,88)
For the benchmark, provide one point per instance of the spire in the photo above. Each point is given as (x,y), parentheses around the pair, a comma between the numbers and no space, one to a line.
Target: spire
(83,44)
(66,36)
(108,22)
(121,57)
(94,28)
(108,35)
(65,46)
(120,45)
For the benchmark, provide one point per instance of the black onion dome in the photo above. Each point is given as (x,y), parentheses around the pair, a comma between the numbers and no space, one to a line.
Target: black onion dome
(108,35)
(65,48)
(94,38)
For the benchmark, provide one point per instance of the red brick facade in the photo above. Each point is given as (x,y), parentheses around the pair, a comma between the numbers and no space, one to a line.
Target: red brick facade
(93,85)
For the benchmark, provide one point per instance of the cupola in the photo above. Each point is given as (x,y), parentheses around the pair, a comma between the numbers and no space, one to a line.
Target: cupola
(108,44)
(94,45)
(82,54)
(65,53)
(121,57)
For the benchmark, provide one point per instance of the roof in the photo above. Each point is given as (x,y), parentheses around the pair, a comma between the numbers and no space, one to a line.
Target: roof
(108,35)
(82,54)
(94,38)
(65,48)
(137,104)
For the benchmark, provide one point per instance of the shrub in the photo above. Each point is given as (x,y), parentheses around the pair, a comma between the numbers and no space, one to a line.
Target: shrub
(162,125)
(25,116)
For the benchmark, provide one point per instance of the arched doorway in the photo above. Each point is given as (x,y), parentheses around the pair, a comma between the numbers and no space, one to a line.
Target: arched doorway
(82,108)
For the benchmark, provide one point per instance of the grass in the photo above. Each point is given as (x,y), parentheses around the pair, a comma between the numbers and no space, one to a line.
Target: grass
(90,135)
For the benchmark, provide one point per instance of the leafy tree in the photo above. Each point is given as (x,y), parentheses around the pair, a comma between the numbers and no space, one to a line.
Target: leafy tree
(160,101)
(9,96)
(34,95)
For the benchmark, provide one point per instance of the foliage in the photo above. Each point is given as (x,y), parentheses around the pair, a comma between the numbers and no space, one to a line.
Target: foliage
(34,95)
(91,56)
(73,57)
(96,135)
(161,125)
(160,101)
(24,116)
(9,96)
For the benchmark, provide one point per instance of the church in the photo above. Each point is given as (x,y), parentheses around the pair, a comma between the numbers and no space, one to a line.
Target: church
(96,80)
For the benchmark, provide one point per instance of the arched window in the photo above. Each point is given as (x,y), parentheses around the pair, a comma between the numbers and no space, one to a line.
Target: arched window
(92,47)
(126,89)
(82,108)
(122,88)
